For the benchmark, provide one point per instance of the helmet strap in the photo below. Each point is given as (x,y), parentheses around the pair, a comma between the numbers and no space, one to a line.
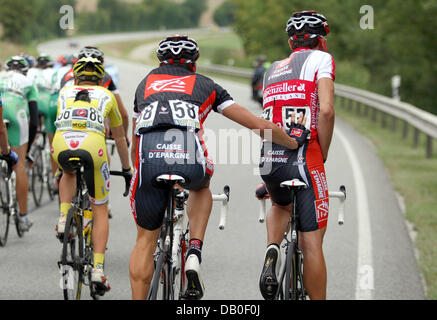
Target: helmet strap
(322,44)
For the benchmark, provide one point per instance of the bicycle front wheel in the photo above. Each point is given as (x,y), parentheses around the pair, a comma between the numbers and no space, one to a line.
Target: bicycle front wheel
(72,257)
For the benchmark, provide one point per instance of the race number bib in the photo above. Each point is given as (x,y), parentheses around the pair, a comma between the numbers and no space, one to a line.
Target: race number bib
(268,114)
(80,119)
(185,114)
(147,117)
(287,113)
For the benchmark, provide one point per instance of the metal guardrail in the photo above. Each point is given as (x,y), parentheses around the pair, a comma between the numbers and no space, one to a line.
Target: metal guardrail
(226,70)
(410,115)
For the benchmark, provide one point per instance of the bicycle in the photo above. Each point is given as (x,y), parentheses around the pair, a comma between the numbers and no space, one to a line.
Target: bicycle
(8,201)
(77,251)
(168,281)
(290,280)
(41,172)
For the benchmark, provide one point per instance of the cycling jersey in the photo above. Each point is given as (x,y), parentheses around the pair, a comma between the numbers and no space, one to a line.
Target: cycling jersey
(87,116)
(42,79)
(173,96)
(171,103)
(81,133)
(17,91)
(291,86)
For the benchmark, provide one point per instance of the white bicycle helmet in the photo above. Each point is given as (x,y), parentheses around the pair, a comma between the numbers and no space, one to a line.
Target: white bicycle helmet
(178,48)
(310,23)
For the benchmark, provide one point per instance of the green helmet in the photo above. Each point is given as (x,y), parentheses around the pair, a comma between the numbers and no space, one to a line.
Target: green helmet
(44,60)
(17,63)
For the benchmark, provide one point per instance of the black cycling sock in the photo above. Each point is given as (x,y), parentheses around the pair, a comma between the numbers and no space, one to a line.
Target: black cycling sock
(196,248)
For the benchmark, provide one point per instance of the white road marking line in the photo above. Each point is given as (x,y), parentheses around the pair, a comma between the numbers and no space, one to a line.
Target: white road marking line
(365,279)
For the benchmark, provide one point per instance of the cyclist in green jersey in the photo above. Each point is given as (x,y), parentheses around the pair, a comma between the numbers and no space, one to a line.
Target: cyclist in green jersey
(18,96)
(42,78)
(11,156)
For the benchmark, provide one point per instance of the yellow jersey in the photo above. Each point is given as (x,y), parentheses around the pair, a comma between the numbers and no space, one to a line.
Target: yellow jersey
(87,116)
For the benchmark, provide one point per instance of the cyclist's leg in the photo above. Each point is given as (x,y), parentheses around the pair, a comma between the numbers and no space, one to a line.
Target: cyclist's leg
(67,182)
(49,123)
(18,136)
(141,262)
(148,207)
(22,181)
(313,207)
(277,221)
(315,275)
(198,211)
(100,233)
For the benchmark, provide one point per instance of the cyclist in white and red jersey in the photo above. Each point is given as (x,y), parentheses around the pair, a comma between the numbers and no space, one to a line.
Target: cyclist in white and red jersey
(171,105)
(301,85)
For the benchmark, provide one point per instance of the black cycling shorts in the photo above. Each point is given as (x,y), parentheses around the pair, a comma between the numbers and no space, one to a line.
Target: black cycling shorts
(175,152)
(279,164)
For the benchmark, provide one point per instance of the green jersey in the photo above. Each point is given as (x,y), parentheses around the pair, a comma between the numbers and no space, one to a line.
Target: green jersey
(16,92)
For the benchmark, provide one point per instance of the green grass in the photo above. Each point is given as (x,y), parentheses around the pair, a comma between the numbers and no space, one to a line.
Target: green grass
(9,49)
(414,177)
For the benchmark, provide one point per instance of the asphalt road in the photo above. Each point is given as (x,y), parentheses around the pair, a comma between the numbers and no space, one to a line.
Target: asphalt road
(370,257)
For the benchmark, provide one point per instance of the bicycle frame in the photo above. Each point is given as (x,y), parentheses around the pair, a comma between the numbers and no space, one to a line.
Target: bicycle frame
(170,253)
(293,253)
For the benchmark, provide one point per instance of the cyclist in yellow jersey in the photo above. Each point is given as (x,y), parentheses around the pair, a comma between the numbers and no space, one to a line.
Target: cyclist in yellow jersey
(80,132)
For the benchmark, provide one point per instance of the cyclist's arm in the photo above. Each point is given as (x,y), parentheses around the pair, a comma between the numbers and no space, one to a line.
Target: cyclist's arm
(121,144)
(326,115)
(244,117)
(123,112)
(4,145)
(133,151)
(32,96)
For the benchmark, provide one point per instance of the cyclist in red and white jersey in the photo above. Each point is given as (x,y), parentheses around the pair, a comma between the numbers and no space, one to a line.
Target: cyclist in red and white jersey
(302,86)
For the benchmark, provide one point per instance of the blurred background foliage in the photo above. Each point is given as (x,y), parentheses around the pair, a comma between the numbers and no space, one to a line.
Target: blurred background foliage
(403,40)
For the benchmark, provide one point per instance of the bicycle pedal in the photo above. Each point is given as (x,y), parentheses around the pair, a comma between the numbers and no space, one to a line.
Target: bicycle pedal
(192,294)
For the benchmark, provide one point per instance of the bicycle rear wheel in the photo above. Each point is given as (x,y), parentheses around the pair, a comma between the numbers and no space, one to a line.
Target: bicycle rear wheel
(37,180)
(72,257)
(290,281)
(157,275)
(4,215)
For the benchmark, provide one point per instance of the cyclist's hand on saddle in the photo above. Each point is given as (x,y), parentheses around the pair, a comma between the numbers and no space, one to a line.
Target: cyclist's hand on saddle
(298,131)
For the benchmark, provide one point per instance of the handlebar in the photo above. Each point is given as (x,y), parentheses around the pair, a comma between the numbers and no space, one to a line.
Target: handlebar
(127,179)
(341,195)
(224,198)
(9,162)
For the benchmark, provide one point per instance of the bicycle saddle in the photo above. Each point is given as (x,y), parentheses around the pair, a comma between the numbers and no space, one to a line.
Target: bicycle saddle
(174,179)
(75,163)
(295,184)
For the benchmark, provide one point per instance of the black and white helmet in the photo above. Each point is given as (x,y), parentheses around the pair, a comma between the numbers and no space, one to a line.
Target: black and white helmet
(307,22)
(178,48)
(92,52)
